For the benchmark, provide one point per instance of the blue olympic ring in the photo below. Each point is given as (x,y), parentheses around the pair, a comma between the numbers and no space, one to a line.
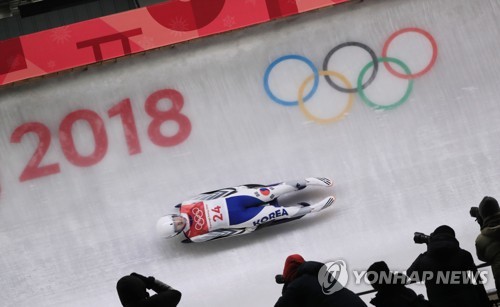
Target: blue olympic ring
(284,58)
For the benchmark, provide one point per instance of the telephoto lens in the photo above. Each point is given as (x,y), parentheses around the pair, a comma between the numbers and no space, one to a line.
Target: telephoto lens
(474,212)
(420,238)
(279,279)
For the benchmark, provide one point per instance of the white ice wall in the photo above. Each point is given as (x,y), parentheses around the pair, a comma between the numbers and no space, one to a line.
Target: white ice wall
(68,237)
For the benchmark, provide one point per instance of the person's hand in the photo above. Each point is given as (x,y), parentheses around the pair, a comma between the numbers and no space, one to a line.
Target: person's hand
(148,281)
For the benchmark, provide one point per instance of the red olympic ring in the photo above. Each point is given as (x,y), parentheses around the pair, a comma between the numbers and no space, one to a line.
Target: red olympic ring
(426,69)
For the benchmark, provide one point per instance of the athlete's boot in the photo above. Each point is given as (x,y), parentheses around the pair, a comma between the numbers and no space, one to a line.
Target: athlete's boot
(319,181)
(323,204)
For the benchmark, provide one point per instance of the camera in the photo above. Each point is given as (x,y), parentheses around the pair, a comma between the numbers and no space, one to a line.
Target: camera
(421,238)
(474,212)
(279,279)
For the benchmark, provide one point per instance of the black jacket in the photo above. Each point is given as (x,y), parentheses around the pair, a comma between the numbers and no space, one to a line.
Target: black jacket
(305,291)
(396,295)
(443,257)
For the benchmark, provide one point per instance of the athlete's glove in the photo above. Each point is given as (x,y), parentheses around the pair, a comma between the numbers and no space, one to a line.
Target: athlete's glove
(148,281)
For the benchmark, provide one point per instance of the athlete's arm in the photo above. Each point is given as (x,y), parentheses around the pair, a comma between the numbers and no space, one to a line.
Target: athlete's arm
(219,234)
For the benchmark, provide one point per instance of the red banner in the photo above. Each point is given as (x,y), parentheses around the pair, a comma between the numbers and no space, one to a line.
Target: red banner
(138,30)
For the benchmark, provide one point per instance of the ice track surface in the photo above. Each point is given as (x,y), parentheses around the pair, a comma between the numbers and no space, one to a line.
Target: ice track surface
(68,237)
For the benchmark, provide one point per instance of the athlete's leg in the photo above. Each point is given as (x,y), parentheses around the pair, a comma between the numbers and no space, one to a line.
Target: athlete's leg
(257,216)
(248,202)
(267,193)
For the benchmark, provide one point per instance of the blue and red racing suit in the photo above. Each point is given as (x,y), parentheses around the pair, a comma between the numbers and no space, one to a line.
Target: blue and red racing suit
(240,210)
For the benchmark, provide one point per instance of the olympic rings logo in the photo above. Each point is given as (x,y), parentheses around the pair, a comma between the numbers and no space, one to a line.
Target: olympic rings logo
(346,86)
(199,221)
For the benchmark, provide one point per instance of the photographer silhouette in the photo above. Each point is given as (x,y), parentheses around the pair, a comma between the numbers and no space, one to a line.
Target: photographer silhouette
(445,258)
(132,291)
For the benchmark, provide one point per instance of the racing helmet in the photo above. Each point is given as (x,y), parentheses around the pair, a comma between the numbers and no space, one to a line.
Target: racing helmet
(170,225)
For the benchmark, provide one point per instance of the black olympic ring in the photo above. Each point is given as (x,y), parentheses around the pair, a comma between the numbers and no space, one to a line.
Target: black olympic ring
(349,44)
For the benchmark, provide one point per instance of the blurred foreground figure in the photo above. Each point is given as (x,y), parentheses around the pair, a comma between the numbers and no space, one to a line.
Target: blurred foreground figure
(239,210)
(391,289)
(132,291)
(302,287)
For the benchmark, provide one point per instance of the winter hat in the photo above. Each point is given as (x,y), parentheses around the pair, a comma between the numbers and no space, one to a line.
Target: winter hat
(444,230)
(376,269)
(292,263)
(377,273)
(131,290)
(380,276)
(488,207)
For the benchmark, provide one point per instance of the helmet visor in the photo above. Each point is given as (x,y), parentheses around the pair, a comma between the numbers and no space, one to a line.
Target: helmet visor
(179,223)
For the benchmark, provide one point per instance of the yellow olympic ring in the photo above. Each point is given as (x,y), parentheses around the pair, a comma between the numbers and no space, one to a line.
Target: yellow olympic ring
(320,120)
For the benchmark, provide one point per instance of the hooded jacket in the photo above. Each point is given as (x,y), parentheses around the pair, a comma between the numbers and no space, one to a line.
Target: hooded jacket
(488,241)
(488,246)
(305,291)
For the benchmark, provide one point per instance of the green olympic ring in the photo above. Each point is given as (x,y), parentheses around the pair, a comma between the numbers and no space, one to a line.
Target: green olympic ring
(374,105)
